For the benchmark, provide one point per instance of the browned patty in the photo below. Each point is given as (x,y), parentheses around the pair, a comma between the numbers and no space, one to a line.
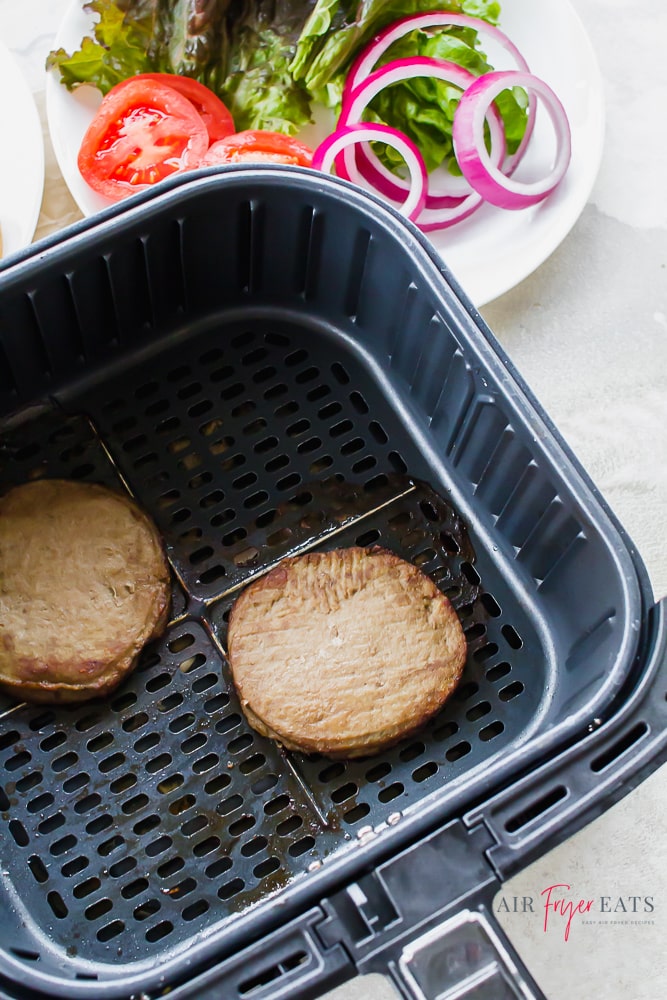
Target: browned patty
(84,584)
(344,653)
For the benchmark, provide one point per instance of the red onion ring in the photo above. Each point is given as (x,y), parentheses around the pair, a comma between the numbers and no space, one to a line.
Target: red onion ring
(404,69)
(348,135)
(468,135)
(435,219)
(367,60)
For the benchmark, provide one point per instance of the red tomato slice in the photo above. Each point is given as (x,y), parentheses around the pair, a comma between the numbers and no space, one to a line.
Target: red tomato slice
(142,133)
(255,146)
(217,118)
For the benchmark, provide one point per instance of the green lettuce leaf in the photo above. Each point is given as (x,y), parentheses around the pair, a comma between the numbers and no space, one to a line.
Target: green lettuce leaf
(337,29)
(259,89)
(241,50)
(119,48)
(196,36)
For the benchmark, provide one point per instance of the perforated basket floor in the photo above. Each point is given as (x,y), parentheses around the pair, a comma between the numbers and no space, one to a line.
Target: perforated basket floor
(136,829)
(144,819)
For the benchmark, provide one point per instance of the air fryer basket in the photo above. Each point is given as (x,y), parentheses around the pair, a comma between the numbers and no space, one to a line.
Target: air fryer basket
(271,361)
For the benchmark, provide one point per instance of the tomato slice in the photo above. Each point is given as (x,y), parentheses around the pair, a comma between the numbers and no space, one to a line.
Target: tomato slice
(217,118)
(256,145)
(143,132)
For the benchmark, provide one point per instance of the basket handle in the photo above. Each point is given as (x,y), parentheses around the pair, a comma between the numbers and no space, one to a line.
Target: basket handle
(466,956)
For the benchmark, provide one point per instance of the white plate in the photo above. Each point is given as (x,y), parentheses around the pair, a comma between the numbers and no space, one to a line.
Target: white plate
(21,157)
(493,250)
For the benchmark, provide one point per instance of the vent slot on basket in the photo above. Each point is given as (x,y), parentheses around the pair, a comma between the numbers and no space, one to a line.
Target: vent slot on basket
(537,808)
(621,746)
(293,961)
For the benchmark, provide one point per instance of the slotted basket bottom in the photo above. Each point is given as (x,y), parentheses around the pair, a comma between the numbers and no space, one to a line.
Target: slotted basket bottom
(139,822)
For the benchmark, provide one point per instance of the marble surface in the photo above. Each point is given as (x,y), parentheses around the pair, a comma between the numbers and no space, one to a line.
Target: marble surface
(588,330)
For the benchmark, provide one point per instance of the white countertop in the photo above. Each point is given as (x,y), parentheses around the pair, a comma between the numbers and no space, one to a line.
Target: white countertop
(588,331)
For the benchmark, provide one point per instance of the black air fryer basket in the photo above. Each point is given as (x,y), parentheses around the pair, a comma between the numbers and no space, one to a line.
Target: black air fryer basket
(271,361)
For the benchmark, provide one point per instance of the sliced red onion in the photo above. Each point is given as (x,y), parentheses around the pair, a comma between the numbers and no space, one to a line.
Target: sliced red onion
(432,219)
(348,135)
(468,135)
(368,59)
(381,178)
(397,71)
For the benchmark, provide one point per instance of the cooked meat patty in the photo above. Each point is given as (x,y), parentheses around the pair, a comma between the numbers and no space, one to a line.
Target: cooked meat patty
(343,653)
(84,584)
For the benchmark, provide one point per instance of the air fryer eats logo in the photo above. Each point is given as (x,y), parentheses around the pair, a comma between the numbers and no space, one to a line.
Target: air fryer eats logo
(558,905)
